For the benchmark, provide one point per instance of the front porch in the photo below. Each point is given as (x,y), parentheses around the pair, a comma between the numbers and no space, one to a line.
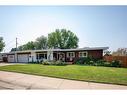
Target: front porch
(50,56)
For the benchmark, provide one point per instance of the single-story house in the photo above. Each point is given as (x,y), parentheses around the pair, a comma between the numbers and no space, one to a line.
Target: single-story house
(67,55)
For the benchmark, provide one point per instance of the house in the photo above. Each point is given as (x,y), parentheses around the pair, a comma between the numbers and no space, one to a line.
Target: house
(67,55)
(3,57)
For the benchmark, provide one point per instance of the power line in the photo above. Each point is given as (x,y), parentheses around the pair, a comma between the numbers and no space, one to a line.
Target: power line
(10,42)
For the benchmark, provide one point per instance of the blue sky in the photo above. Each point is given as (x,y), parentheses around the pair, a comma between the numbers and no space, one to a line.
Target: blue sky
(94,25)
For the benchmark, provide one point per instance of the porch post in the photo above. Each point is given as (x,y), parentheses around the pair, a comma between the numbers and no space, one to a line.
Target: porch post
(57,55)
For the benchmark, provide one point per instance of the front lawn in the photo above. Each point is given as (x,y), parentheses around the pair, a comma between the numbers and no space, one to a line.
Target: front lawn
(76,72)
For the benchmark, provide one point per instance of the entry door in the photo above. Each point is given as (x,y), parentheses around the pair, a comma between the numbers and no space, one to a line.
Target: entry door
(62,56)
(23,58)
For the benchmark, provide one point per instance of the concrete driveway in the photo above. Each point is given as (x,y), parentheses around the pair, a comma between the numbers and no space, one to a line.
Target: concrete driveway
(10,80)
(4,64)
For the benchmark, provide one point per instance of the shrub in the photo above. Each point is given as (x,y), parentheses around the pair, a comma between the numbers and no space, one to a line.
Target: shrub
(46,63)
(90,63)
(82,60)
(115,63)
(58,63)
(100,63)
(107,64)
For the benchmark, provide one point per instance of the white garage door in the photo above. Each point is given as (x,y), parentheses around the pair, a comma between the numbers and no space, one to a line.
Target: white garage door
(23,58)
(11,58)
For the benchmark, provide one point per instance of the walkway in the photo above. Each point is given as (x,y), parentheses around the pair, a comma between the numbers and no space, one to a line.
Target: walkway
(10,80)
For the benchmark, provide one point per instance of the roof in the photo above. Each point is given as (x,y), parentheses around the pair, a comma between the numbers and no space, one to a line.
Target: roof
(77,49)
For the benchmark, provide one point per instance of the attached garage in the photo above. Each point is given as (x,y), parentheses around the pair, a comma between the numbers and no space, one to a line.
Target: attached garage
(23,58)
(11,58)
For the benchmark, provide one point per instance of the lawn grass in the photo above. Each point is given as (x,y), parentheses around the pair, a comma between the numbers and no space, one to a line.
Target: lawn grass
(75,72)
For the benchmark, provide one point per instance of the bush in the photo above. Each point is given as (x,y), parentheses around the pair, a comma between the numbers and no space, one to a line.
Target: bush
(100,63)
(82,60)
(107,64)
(93,62)
(46,63)
(90,63)
(115,63)
(58,63)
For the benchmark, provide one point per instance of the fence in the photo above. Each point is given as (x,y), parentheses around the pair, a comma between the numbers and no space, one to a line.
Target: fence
(123,59)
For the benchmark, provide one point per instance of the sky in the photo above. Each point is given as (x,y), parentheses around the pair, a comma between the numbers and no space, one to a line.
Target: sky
(95,26)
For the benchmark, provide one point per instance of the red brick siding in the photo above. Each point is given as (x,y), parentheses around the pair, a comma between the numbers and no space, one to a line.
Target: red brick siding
(98,54)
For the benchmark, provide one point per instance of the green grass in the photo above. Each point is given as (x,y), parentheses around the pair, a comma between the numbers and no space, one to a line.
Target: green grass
(75,72)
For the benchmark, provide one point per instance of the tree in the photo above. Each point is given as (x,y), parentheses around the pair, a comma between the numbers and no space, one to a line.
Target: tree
(107,53)
(13,49)
(120,52)
(41,42)
(2,44)
(28,46)
(63,39)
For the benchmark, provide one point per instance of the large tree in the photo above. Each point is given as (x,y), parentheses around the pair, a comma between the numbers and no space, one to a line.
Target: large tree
(41,42)
(2,44)
(28,46)
(63,39)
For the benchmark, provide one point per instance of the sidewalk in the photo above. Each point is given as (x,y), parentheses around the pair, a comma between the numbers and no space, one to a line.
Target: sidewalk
(10,80)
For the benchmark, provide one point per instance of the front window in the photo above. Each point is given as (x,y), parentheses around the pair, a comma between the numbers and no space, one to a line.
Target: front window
(42,55)
(70,54)
(82,54)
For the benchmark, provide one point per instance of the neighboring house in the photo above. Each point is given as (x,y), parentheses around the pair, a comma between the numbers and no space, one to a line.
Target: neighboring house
(3,57)
(67,55)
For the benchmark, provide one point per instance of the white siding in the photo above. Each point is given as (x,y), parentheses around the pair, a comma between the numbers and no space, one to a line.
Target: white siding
(11,58)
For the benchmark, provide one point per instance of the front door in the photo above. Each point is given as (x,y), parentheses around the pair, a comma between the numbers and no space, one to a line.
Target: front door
(61,56)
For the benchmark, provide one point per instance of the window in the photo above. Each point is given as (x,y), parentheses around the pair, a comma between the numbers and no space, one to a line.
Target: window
(70,54)
(11,56)
(82,54)
(41,55)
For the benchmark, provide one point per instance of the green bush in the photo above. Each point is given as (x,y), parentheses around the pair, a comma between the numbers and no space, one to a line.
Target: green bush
(82,60)
(90,63)
(58,63)
(115,63)
(107,64)
(100,63)
(46,63)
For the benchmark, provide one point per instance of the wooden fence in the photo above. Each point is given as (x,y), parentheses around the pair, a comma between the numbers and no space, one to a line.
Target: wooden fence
(123,59)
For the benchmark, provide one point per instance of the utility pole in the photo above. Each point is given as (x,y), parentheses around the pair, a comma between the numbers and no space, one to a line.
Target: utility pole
(16,57)
(16,43)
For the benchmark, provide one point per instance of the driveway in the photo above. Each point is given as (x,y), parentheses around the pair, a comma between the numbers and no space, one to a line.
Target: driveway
(4,64)
(10,80)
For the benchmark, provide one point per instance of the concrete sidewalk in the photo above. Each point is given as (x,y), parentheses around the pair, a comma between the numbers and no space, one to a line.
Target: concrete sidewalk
(10,80)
